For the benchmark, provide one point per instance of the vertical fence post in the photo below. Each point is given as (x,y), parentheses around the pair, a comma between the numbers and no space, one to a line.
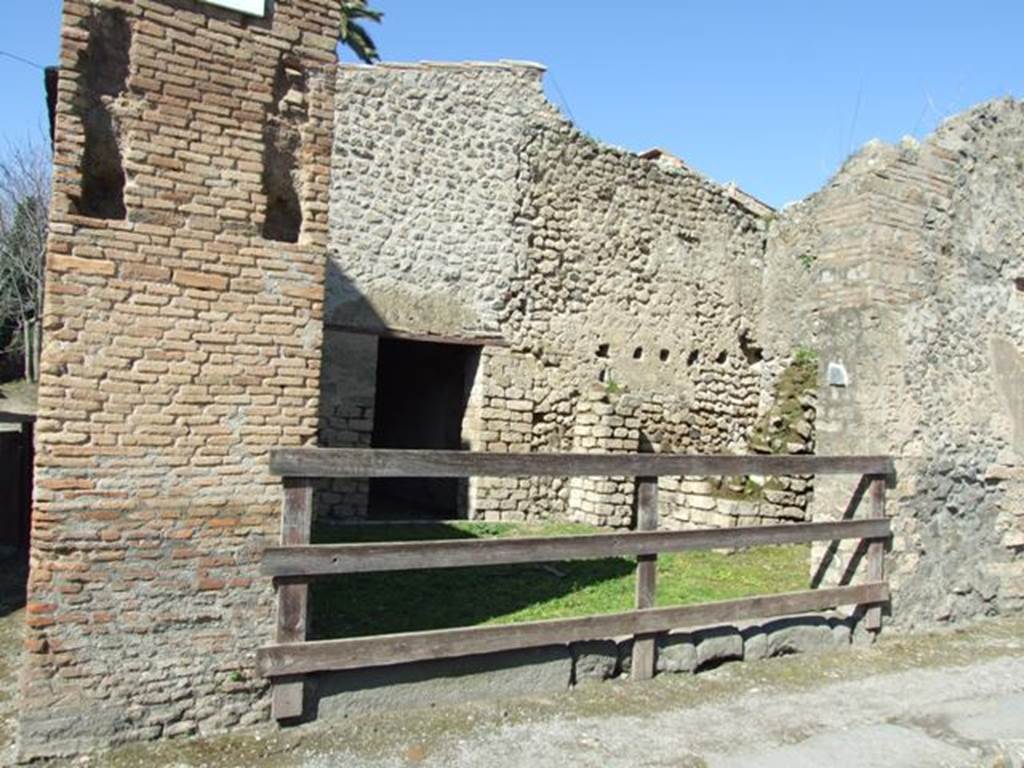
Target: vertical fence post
(876,553)
(292,599)
(646,576)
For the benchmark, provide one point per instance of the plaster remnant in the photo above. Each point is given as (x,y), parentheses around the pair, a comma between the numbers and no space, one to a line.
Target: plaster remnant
(1008,365)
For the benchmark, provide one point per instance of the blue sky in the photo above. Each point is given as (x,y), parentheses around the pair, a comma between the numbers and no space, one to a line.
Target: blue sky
(772,95)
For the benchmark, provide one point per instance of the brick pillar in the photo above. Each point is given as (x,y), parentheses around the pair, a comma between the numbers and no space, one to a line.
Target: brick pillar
(182,341)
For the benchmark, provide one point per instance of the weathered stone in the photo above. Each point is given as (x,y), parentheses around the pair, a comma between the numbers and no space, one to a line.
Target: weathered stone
(801,634)
(594,660)
(717,645)
(615,303)
(676,653)
(183,728)
(502,158)
(935,296)
(66,731)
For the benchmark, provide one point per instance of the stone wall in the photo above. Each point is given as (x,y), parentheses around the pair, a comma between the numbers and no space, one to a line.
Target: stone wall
(181,344)
(910,262)
(464,206)
(426,189)
(620,277)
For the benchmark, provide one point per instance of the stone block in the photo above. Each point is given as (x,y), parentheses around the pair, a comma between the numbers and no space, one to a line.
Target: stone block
(594,660)
(703,503)
(717,645)
(66,731)
(782,637)
(676,653)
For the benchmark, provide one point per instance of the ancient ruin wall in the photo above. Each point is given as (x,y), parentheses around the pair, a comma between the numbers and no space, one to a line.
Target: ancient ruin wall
(426,188)
(638,279)
(424,193)
(636,306)
(465,206)
(637,289)
(180,345)
(911,262)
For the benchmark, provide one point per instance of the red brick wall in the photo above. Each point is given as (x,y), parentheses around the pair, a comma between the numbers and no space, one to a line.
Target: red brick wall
(180,346)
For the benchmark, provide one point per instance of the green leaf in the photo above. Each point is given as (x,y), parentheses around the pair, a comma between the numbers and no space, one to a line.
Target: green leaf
(353,35)
(361,45)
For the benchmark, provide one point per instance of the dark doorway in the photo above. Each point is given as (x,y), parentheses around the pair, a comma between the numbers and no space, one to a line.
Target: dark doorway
(16,454)
(422,392)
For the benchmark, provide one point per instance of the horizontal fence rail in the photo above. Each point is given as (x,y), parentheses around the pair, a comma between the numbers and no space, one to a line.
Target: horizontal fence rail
(352,653)
(293,564)
(381,462)
(327,559)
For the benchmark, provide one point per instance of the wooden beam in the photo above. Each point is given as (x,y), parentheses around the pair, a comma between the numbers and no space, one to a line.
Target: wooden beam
(876,553)
(644,649)
(292,599)
(380,462)
(431,338)
(334,655)
(326,559)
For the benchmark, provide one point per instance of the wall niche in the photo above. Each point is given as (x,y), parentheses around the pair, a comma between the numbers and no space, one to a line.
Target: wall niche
(282,141)
(103,78)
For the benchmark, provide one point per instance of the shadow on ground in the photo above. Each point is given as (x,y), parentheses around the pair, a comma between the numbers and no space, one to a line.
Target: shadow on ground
(405,601)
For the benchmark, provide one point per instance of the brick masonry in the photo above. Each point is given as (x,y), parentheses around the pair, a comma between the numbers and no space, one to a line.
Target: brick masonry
(181,345)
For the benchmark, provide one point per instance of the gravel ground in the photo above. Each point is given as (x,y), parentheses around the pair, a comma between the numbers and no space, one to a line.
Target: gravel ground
(950,698)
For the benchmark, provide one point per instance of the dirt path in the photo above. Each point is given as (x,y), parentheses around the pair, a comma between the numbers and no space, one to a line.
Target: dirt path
(954,698)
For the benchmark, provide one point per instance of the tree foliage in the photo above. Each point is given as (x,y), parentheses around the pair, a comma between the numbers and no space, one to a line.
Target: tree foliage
(24,217)
(353,32)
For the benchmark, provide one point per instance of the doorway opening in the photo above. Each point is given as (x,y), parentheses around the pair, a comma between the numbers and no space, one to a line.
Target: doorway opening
(422,392)
(16,458)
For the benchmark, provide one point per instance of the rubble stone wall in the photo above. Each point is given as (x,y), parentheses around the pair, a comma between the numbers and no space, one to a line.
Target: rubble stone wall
(464,205)
(911,292)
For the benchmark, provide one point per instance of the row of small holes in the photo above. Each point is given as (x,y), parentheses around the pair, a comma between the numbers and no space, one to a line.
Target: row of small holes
(664,355)
(603,351)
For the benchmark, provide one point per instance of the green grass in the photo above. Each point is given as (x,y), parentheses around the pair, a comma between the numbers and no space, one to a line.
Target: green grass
(365,604)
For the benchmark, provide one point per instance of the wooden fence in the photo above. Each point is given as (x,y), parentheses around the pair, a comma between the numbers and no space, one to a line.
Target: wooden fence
(296,562)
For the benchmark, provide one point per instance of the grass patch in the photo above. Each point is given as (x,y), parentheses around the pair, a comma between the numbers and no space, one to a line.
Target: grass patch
(365,604)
